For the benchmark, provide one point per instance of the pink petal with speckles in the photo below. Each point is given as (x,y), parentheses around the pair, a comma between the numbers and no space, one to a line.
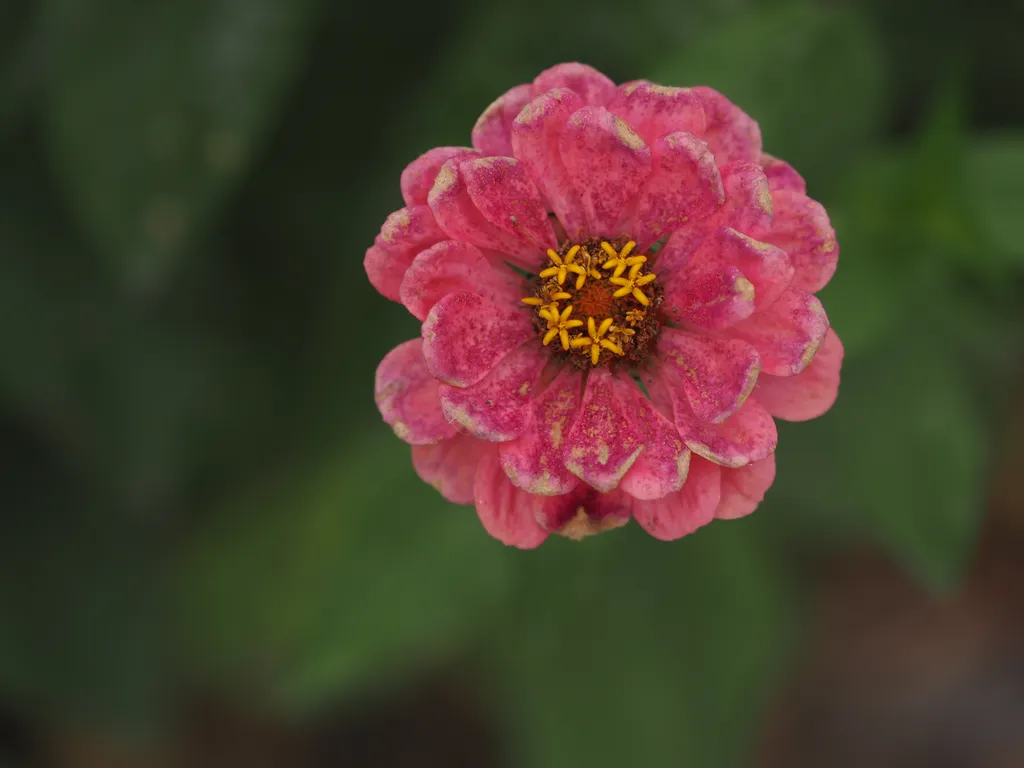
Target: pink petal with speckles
(802,229)
(656,110)
(465,336)
(764,265)
(498,408)
(502,191)
(713,376)
(452,267)
(603,443)
(746,436)
(743,489)
(787,334)
(809,394)
(407,396)
(505,511)
(684,185)
(492,134)
(681,513)
(748,199)
(781,175)
(661,467)
(450,466)
(418,177)
(592,86)
(607,164)
(730,133)
(583,512)
(405,233)
(536,137)
(707,294)
(535,461)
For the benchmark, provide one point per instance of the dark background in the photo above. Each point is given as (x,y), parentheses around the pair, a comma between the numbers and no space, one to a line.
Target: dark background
(214,553)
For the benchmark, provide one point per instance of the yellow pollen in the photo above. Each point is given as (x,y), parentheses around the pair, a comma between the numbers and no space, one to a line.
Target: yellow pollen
(560,326)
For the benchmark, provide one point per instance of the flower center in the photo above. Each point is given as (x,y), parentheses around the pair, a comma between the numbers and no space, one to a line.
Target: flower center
(596,305)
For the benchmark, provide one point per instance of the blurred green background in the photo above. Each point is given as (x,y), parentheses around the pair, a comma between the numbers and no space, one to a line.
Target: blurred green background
(200,502)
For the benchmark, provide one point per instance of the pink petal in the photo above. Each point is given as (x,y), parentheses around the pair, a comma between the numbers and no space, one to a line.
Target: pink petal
(419,175)
(535,461)
(499,407)
(681,513)
(405,233)
(505,511)
(787,334)
(407,396)
(607,164)
(802,229)
(713,376)
(681,246)
(730,133)
(502,191)
(536,137)
(743,489)
(781,175)
(591,85)
(746,436)
(748,199)
(808,394)
(583,512)
(465,336)
(707,294)
(450,466)
(603,443)
(684,185)
(655,110)
(492,134)
(662,466)
(764,265)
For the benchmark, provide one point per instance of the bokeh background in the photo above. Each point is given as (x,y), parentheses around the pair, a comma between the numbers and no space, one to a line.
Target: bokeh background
(213,553)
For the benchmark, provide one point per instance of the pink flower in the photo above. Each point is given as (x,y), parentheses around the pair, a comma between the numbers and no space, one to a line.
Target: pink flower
(666,315)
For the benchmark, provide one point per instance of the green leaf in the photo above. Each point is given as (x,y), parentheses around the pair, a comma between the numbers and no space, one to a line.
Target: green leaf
(154,109)
(995,187)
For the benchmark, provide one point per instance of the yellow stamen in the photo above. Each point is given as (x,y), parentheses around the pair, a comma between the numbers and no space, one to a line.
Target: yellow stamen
(639,296)
(561,296)
(550,335)
(533,301)
(607,248)
(649,278)
(595,354)
(626,249)
(612,346)
(605,325)
(580,341)
(554,257)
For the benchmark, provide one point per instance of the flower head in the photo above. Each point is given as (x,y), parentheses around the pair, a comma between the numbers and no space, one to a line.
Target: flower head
(617,288)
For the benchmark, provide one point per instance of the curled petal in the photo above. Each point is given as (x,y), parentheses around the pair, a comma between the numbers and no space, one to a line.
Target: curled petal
(418,177)
(681,513)
(492,134)
(407,396)
(802,229)
(592,86)
(502,191)
(656,110)
(781,175)
(712,376)
(450,466)
(748,435)
(787,334)
(748,199)
(505,511)
(405,233)
(708,294)
(809,394)
(465,336)
(731,134)
(764,265)
(498,408)
(583,512)
(607,164)
(743,489)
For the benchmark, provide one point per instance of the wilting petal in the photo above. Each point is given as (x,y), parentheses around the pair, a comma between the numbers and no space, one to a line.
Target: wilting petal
(802,229)
(748,199)
(781,175)
(499,407)
(603,443)
(656,110)
(535,461)
(465,336)
(713,376)
(809,394)
(708,294)
(684,185)
(764,265)
(743,489)
(583,512)
(453,267)
(536,137)
(607,164)
(661,467)
(502,191)
(505,511)
(405,233)
(492,134)
(683,512)
(748,435)
(450,466)
(787,334)
(418,177)
(591,85)
(407,396)
(731,134)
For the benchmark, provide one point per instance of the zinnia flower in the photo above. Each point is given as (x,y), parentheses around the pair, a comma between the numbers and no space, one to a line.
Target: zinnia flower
(616,287)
